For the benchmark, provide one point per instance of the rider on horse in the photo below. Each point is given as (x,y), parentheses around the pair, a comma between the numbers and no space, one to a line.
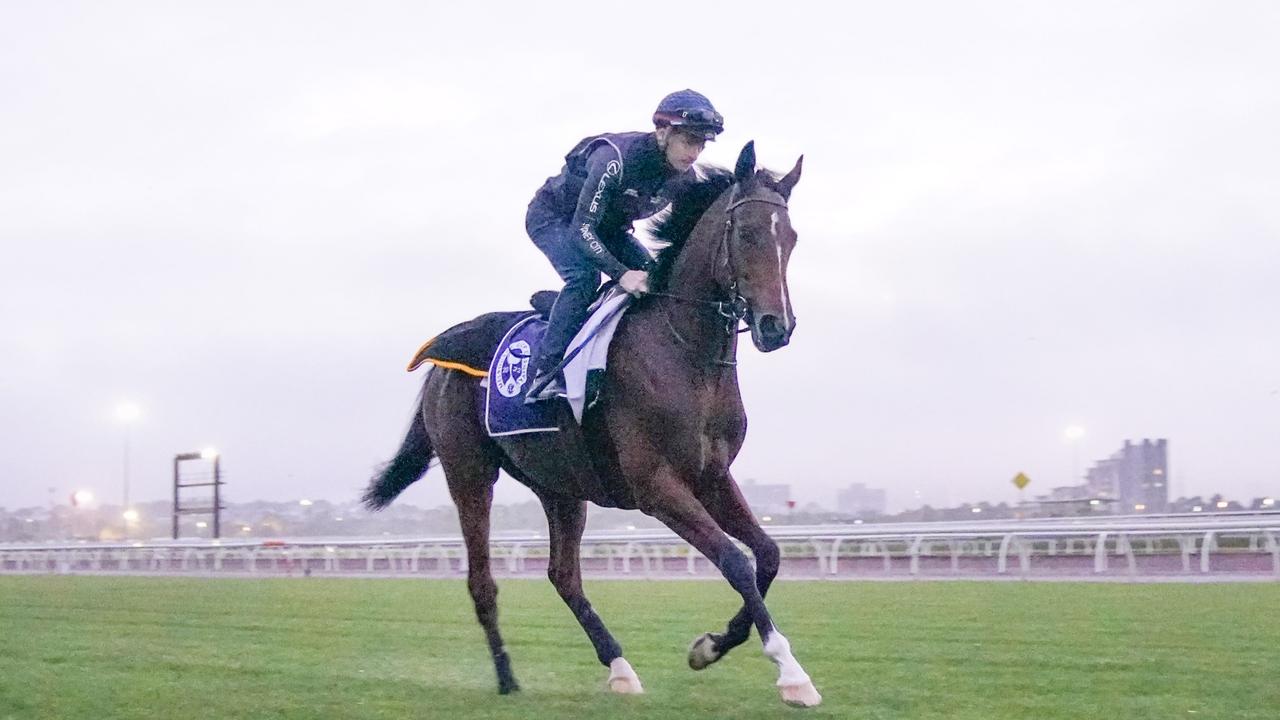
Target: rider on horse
(581,219)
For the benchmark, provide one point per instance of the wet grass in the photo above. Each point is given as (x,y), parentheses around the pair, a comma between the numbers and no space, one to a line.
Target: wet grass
(189,648)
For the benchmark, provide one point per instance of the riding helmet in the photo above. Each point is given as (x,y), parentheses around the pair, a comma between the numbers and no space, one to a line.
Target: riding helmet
(691,112)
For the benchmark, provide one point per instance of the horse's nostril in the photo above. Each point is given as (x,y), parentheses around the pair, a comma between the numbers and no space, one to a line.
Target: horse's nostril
(769,325)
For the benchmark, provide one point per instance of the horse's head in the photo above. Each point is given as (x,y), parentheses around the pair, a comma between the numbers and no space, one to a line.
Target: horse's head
(760,239)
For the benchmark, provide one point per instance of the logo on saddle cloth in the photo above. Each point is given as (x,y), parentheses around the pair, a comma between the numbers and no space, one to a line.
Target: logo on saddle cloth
(509,376)
(513,369)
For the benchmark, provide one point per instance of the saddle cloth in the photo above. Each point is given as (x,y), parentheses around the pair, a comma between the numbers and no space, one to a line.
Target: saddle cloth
(504,410)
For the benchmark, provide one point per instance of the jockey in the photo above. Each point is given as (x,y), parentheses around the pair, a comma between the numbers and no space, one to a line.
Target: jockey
(581,219)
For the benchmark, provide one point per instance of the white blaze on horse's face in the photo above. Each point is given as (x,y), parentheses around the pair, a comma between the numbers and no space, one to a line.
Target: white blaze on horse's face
(782,274)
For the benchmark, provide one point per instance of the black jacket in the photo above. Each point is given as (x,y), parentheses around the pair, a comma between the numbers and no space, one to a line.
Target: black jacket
(608,182)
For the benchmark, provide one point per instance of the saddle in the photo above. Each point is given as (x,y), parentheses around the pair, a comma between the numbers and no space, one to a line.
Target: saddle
(497,347)
(469,346)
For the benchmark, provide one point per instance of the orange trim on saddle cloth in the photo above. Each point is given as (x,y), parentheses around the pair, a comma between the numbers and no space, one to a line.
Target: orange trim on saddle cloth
(420,357)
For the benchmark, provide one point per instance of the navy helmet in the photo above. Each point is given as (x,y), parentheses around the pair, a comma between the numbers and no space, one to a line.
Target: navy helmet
(690,111)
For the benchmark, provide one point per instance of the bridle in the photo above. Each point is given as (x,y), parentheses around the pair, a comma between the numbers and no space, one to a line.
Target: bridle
(734,309)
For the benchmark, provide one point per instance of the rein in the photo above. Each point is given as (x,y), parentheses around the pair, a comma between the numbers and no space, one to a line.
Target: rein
(733,310)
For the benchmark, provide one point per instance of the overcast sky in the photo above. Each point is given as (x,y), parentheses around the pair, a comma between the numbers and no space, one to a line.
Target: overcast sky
(1014,217)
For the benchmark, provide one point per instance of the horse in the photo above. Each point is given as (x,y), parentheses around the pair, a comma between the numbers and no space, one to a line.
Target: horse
(661,438)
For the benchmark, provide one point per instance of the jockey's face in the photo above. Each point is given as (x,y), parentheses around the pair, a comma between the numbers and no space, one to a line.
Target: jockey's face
(682,149)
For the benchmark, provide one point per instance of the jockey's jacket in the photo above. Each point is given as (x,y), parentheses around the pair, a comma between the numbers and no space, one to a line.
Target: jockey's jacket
(608,182)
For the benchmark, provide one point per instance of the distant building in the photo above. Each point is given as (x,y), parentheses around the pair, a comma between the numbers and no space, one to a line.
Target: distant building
(1069,500)
(858,499)
(1136,476)
(765,499)
(1064,493)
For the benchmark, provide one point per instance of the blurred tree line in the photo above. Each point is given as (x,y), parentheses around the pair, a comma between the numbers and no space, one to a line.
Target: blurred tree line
(320,518)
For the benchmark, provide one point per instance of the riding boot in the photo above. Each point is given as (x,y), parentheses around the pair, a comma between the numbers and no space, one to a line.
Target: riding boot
(567,314)
(581,280)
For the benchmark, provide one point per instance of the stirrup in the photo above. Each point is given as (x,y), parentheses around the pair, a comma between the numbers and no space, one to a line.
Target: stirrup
(551,388)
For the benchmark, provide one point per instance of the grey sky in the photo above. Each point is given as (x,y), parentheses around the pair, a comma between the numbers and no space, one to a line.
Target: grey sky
(1014,217)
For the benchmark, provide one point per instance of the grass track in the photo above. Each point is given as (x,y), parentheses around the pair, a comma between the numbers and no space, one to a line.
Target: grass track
(191,648)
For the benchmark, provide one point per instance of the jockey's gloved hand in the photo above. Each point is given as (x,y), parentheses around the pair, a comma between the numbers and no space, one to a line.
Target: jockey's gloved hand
(635,282)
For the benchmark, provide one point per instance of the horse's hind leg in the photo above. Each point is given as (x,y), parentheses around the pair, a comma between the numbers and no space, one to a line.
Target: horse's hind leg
(470,462)
(730,510)
(473,514)
(566,519)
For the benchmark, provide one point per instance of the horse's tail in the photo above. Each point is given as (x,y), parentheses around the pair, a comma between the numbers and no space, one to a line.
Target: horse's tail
(405,468)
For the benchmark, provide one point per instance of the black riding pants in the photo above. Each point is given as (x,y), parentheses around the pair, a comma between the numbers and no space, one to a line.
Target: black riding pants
(581,277)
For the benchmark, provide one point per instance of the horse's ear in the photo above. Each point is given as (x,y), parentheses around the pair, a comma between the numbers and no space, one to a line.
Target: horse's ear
(788,182)
(746,167)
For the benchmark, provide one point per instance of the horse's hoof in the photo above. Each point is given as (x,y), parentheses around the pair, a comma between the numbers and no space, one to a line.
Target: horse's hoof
(623,679)
(702,651)
(803,695)
(506,679)
(626,686)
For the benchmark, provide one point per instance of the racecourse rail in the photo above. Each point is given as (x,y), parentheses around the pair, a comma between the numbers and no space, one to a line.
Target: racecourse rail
(1192,546)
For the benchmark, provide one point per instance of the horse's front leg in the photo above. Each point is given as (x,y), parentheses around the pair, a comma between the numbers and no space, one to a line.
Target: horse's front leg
(672,502)
(724,501)
(565,521)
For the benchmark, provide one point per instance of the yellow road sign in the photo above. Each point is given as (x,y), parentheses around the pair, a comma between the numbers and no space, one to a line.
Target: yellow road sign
(1021,480)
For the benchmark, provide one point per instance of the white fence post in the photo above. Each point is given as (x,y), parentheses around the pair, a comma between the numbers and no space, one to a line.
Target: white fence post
(1100,554)
(1002,562)
(1206,546)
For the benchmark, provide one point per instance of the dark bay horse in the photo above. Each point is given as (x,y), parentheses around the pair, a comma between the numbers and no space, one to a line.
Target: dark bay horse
(662,437)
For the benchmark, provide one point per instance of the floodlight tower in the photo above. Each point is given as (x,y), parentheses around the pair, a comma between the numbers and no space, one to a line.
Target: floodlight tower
(1072,435)
(215,481)
(127,413)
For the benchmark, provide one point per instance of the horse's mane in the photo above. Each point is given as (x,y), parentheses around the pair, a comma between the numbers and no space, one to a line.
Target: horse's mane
(678,222)
(675,226)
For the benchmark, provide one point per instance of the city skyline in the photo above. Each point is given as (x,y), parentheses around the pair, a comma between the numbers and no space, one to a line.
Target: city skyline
(1085,486)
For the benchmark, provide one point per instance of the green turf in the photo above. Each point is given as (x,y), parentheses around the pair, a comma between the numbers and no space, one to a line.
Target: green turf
(183,649)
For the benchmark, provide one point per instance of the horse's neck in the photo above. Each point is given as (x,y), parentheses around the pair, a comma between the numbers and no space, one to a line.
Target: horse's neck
(694,271)
(699,332)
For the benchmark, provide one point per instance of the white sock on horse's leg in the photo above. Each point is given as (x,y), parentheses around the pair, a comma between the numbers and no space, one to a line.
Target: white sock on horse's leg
(793,681)
(623,679)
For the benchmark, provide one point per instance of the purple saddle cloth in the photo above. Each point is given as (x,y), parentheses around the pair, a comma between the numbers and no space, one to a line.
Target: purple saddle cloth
(509,376)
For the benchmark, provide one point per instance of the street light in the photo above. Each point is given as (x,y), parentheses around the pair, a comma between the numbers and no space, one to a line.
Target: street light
(130,516)
(80,499)
(127,413)
(1072,435)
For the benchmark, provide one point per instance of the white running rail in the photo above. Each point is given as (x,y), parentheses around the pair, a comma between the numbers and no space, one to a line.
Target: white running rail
(1194,544)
